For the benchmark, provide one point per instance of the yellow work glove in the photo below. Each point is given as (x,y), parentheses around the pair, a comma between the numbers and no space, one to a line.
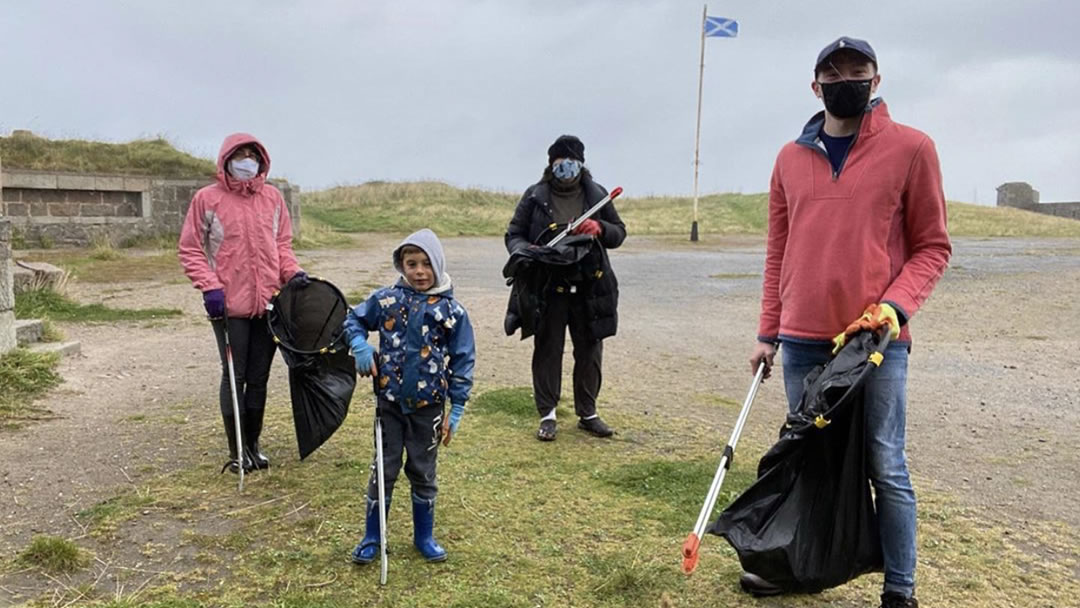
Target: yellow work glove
(872,319)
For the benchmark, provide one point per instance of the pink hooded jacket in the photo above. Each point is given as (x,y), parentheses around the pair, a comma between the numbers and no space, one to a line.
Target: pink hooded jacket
(237,236)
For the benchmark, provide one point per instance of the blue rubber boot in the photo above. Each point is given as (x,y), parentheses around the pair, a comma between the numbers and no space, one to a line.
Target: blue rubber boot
(368,549)
(423,517)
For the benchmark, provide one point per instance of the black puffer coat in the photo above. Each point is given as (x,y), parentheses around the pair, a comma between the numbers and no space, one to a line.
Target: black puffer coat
(533,224)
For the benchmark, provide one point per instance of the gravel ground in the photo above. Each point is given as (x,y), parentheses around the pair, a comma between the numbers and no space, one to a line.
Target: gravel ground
(994,395)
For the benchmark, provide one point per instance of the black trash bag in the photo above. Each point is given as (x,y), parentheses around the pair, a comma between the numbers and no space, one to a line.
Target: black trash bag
(808,523)
(308,323)
(531,271)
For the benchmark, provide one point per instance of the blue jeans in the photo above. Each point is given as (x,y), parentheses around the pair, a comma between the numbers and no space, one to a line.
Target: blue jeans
(886,397)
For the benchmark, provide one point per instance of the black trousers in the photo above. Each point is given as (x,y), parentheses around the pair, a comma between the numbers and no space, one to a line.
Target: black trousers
(562,310)
(252,352)
(415,435)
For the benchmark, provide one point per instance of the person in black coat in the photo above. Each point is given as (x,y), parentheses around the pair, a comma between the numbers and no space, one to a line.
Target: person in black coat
(583,296)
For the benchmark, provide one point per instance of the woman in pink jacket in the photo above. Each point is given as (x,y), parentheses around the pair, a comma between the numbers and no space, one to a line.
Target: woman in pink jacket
(236,247)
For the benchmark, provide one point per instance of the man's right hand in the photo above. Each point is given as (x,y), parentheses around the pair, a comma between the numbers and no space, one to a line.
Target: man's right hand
(763,351)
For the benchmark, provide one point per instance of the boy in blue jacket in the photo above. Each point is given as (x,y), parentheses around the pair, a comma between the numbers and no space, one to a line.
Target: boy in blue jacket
(425,359)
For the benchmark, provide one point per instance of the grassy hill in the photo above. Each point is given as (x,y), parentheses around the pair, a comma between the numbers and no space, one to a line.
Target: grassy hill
(139,157)
(405,206)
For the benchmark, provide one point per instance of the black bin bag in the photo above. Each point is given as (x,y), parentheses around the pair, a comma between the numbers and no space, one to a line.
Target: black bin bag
(808,522)
(308,324)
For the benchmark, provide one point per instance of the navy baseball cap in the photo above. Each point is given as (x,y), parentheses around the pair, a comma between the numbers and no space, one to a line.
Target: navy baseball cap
(845,42)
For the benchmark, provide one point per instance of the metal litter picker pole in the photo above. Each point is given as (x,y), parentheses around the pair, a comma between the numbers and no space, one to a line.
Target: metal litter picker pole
(592,210)
(693,541)
(235,404)
(380,484)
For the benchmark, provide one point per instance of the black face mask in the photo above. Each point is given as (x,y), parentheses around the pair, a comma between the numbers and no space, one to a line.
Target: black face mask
(847,98)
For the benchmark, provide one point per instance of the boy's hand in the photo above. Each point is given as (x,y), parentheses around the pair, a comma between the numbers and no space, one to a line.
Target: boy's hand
(364,355)
(451,422)
(447,432)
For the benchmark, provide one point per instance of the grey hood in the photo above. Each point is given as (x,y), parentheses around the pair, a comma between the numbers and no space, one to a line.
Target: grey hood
(425,239)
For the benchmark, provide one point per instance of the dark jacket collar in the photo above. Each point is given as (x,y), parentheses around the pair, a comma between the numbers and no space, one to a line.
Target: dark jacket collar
(874,119)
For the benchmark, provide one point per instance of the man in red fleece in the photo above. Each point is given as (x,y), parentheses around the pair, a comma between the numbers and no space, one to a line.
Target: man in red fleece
(857,224)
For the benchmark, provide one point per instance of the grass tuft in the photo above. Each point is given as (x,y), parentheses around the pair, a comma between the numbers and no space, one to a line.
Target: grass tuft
(516,401)
(48,304)
(25,376)
(140,157)
(57,555)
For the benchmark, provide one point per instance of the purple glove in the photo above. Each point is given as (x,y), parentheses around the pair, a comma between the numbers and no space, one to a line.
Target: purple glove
(214,301)
(300,279)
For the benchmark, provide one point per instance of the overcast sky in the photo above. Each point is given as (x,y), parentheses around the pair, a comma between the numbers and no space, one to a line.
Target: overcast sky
(473,92)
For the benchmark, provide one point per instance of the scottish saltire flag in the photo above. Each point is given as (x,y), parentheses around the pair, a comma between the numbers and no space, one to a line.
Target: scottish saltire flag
(721,27)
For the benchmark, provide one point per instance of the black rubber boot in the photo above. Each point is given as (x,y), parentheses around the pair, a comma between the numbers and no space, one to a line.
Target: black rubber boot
(233,464)
(253,423)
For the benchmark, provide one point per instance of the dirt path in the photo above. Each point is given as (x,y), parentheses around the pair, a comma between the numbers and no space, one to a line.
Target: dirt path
(994,393)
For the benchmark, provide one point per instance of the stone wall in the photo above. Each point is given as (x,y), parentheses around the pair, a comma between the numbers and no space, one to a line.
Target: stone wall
(1021,195)
(7,293)
(74,210)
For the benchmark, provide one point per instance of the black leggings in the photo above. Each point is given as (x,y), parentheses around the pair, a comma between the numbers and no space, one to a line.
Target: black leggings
(252,353)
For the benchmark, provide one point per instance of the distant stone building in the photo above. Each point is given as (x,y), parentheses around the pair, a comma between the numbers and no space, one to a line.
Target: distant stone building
(1020,195)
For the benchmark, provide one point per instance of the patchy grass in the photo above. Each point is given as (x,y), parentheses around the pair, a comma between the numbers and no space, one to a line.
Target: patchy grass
(408,206)
(50,332)
(108,265)
(580,522)
(516,402)
(317,235)
(48,304)
(977,220)
(25,376)
(55,555)
(140,157)
(402,207)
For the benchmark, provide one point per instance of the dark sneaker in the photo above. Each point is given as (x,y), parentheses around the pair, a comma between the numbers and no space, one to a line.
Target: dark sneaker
(757,586)
(895,600)
(595,426)
(546,431)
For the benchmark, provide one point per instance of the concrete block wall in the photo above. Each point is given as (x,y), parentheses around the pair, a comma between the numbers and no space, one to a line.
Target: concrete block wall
(74,210)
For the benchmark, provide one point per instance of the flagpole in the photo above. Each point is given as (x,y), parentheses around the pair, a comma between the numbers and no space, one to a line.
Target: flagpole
(697,131)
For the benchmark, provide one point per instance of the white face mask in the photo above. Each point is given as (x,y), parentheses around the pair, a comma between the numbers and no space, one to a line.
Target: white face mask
(244,169)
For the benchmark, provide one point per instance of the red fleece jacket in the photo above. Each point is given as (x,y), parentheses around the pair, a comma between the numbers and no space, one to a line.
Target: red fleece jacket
(876,232)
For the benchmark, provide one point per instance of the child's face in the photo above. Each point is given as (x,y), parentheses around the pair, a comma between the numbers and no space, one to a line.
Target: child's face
(418,271)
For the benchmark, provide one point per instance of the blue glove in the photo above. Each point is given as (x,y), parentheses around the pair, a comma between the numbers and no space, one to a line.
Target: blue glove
(300,279)
(457,410)
(364,355)
(214,302)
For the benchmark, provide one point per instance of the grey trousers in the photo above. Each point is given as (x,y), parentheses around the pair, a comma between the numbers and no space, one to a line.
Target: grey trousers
(562,310)
(416,436)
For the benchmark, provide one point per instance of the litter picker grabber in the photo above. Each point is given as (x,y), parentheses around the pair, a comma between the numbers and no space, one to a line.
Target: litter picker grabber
(380,484)
(235,404)
(693,541)
(592,210)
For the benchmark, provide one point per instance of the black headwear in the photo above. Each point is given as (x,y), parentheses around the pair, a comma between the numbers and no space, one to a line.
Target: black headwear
(567,146)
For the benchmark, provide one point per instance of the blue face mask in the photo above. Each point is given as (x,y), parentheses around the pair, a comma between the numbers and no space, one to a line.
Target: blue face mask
(566,169)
